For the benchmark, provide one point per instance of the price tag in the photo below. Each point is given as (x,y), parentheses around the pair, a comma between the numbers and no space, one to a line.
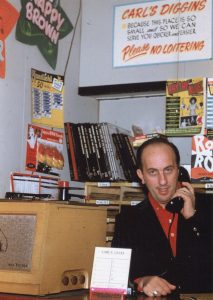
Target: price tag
(102,202)
(135,184)
(135,202)
(209,185)
(104,184)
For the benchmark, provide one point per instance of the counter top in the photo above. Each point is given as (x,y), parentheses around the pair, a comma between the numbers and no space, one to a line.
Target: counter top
(84,295)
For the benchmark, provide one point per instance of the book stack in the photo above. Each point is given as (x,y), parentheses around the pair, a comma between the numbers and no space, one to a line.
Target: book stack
(100,152)
(138,140)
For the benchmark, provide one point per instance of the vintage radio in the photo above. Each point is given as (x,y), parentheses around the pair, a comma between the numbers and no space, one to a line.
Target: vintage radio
(48,247)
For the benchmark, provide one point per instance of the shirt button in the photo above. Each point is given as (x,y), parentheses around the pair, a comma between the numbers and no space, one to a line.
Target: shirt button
(172,234)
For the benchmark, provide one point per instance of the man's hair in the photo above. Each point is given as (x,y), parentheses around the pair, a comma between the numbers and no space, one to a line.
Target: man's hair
(155,141)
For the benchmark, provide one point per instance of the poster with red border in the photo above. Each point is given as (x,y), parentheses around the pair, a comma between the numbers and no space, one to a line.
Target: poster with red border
(44,152)
(202,159)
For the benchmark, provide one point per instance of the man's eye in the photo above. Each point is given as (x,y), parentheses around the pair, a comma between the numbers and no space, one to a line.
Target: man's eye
(152,172)
(168,170)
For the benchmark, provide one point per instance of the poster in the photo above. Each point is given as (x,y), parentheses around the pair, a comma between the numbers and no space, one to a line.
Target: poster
(44,152)
(47,99)
(166,31)
(8,18)
(185,106)
(209,106)
(202,159)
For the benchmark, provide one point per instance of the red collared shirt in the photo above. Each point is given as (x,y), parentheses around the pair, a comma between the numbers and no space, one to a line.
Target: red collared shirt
(165,219)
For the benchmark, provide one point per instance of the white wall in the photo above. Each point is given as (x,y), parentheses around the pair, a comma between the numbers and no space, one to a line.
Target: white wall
(97,48)
(15,94)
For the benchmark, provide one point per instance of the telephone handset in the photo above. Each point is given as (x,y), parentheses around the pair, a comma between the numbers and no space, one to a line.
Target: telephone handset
(176,204)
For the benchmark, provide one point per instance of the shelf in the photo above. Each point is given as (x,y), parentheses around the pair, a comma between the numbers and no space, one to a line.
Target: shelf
(122,89)
(113,193)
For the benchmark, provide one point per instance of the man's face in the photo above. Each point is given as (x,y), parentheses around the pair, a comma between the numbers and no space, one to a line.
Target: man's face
(160,172)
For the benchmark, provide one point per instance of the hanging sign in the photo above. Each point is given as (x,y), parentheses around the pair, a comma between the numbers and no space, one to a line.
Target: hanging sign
(43,23)
(164,31)
(8,18)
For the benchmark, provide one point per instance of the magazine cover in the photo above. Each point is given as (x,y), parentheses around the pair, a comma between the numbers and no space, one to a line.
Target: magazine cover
(44,150)
(202,159)
(185,107)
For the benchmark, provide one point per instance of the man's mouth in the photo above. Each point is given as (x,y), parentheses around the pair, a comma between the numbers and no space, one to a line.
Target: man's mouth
(163,191)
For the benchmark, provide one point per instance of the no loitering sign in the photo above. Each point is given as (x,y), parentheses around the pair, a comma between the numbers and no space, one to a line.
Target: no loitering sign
(162,31)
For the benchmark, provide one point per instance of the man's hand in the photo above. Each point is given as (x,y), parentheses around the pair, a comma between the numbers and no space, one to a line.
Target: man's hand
(154,286)
(187,193)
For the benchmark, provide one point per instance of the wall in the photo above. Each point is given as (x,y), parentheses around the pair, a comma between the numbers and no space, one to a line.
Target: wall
(96,69)
(96,53)
(15,94)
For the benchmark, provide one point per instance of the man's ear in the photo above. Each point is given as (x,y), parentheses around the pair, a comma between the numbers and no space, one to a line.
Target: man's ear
(140,175)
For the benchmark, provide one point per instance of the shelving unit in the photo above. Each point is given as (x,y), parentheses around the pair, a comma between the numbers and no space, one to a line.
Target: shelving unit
(113,195)
(203,187)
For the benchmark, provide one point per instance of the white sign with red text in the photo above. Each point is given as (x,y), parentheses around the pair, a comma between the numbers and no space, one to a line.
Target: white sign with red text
(162,31)
(110,270)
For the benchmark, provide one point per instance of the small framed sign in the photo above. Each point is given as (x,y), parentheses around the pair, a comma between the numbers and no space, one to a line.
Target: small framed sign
(110,270)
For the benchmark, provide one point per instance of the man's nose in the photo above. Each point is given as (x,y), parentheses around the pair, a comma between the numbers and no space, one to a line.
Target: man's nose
(162,178)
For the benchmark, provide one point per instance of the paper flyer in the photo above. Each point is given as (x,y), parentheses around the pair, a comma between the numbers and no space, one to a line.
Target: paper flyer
(44,150)
(185,106)
(47,99)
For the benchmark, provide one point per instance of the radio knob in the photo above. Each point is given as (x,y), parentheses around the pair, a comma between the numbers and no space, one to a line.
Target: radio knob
(74,280)
(65,280)
(82,279)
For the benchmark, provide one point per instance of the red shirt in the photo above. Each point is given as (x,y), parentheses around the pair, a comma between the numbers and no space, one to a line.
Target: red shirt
(165,219)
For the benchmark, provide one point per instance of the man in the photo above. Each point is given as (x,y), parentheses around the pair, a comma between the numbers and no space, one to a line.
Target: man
(170,252)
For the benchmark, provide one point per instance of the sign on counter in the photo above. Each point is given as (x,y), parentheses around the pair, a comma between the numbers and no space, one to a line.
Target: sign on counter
(110,271)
